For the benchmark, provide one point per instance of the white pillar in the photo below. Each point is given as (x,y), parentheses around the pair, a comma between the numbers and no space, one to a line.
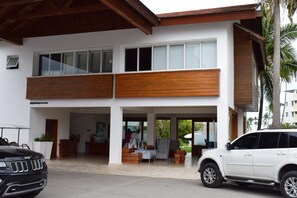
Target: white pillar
(115,144)
(173,128)
(223,130)
(151,125)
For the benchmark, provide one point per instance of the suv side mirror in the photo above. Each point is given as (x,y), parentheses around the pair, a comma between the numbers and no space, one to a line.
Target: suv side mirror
(228,146)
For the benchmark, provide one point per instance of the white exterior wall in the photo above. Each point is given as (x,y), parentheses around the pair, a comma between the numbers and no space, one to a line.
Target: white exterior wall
(13,82)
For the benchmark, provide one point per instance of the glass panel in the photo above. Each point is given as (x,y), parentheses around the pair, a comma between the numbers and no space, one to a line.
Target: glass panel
(176,57)
(68,63)
(81,59)
(94,61)
(283,141)
(44,65)
(192,56)
(134,128)
(212,138)
(144,136)
(163,128)
(131,60)
(246,142)
(200,133)
(160,58)
(268,140)
(293,140)
(55,64)
(107,61)
(145,59)
(209,54)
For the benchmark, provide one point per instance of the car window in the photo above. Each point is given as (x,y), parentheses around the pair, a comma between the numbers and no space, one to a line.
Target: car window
(293,140)
(246,142)
(283,140)
(268,140)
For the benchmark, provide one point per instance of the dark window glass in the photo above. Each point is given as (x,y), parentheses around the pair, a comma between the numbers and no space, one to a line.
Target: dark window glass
(283,140)
(246,142)
(293,140)
(94,61)
(268,140)
(44,65)
(145,59)
(55,64)
(107,61)
(131,60)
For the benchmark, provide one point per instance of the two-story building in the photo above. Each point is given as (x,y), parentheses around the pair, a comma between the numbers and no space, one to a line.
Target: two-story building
(90,68)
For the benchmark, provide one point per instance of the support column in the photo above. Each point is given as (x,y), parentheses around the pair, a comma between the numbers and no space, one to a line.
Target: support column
(151,125)
(173,128)
(115,144)
(223,129)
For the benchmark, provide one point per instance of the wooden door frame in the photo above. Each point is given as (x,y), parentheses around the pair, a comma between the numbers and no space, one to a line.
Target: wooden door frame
(54,124)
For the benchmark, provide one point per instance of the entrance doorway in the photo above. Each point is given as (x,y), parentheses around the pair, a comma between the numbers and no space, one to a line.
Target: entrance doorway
(51,130)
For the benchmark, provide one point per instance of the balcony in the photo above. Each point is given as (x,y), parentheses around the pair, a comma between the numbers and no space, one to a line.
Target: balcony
(194,83)
(70,87)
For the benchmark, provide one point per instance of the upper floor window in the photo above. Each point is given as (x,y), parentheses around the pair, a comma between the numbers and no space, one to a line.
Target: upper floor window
(172,57)
(79,62)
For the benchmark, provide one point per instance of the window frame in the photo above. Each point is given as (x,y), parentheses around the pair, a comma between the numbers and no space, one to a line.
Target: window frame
(74,52)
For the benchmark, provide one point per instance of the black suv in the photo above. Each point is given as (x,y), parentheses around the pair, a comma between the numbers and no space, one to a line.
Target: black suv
(23,172)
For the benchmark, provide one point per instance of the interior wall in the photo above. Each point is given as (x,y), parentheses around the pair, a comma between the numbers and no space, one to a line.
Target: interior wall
(84,125)
(38,117)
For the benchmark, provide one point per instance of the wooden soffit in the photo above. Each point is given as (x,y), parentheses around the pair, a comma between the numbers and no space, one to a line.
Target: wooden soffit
(33,18)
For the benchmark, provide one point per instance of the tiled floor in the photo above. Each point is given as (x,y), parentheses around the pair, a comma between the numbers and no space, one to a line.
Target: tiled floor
(99,165)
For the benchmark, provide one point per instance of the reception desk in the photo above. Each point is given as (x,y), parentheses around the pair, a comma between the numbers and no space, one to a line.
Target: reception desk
(95,148)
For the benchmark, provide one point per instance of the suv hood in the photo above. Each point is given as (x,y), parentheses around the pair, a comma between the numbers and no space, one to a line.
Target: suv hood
(12,152)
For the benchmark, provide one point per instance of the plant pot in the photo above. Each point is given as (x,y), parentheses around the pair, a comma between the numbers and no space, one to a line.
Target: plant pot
(45,148)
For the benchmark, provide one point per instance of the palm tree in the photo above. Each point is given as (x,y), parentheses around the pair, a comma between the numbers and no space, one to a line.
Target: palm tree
(288,63)
(291,4)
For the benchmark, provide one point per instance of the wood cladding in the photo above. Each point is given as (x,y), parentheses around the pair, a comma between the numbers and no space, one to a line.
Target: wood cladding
(168,84)
(70,87)
(244,83)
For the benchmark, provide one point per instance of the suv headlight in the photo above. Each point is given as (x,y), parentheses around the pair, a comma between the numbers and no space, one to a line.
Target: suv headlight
(42,159)
(2,165)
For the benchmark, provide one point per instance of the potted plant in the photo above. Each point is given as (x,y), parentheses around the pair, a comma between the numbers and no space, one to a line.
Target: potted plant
(43,145)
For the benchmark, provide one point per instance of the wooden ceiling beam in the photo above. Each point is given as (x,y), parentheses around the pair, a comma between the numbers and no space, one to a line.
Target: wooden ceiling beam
(18,2)
(123,11)
(68,3)
(10,39)
(58,12)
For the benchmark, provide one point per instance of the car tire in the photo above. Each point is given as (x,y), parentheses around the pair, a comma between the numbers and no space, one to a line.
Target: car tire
(211,176)
(30,195)
(288,185)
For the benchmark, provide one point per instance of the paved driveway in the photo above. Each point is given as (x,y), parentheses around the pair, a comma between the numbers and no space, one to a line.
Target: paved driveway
(85,185)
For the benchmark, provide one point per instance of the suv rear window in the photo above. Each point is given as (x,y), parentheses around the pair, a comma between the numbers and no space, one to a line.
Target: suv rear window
(293,140)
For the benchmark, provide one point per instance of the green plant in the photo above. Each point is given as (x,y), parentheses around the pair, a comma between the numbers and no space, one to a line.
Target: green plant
(44,138)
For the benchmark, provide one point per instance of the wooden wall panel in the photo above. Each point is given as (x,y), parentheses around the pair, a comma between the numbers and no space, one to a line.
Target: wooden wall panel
(70,87)
(243,69)
(168,84)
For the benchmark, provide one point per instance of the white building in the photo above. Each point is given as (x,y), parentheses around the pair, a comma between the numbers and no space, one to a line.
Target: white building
(290,113)
(91,67)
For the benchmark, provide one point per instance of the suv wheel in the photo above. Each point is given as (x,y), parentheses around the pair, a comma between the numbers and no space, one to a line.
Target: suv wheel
(288,184)
(211,176)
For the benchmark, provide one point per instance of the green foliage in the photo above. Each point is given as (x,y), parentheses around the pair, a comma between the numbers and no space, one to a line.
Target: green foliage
(288,126)
(184,128)
(44,138)
(163,128)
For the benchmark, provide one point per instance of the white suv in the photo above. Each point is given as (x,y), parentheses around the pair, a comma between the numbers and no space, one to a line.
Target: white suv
(266,157)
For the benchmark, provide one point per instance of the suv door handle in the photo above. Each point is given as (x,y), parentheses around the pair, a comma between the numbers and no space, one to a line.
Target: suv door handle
(247,154)
(280,154)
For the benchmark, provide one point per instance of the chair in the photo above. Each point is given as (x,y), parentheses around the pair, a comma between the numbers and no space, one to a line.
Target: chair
(162,148)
